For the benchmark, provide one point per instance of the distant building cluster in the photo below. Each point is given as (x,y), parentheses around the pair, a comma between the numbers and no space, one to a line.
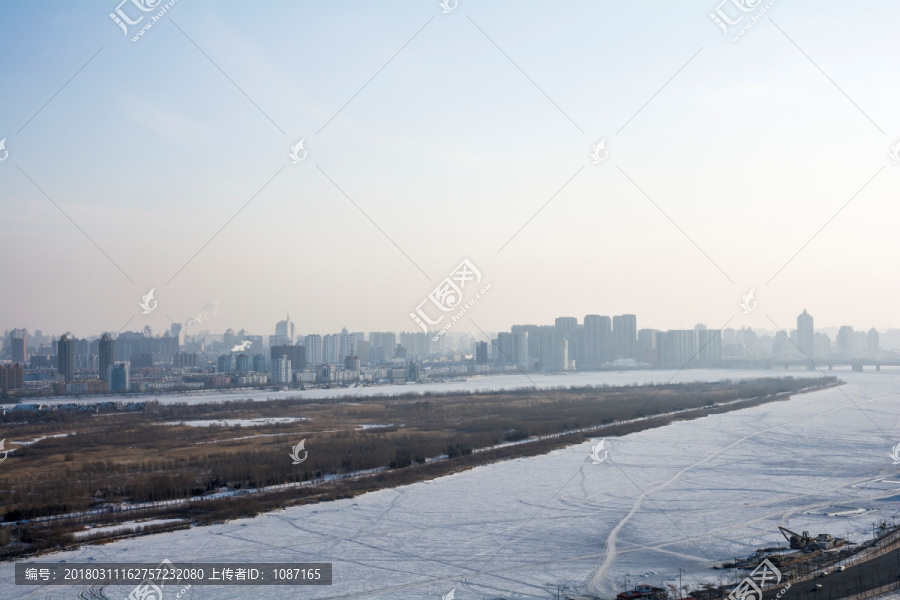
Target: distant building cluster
(601,342)
(137,362)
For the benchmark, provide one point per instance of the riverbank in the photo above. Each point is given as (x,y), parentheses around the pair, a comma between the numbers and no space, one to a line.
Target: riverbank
(207,474)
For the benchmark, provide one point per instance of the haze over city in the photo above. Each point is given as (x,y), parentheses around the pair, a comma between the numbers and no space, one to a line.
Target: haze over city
(584,300)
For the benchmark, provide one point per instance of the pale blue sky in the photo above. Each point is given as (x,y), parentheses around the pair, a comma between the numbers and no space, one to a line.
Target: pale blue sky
(449,149)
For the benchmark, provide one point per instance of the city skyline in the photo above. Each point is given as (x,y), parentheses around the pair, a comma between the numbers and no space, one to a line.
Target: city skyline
(211,325)
(207,330)
(138,362)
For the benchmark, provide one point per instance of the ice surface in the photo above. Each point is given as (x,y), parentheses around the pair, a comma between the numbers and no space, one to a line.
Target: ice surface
(470,384)
(688,495)
(233,422)
(123,526)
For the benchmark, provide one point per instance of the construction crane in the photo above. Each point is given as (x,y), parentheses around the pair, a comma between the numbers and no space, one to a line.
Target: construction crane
(797,541)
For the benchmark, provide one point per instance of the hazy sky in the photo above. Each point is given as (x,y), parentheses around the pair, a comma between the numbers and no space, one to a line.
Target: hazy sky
(449,131)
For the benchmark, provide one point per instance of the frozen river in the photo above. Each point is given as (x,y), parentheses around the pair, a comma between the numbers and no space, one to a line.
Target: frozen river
(471,384)
(684,496)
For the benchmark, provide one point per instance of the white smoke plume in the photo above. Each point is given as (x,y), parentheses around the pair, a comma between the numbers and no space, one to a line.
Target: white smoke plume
(207,312)
(242,346)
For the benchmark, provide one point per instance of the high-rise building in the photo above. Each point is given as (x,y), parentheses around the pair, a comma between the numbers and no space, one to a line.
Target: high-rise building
(567,328)
(596,341)
(129,343)
(481,353)
(228,339)
(710,351)
(822,343)
(677,348)
(284,330)
(18,348)
(351,363)
(347,345)
(383,346)
(184,360)
(417,344)
(242,363)
(363,350)
(890,340)
(225,364)
(12,377)
(624,336)
(514,349)
(141,360)
(331,349)
(872,341)
(107,355)
(313,345)
(506,353)
(118,378)
(554,352)
(845,339)
(647,346)
(806,334)
(175,332)
(281,371)
(534,340)
(296,354)
(259,363)
(65,357)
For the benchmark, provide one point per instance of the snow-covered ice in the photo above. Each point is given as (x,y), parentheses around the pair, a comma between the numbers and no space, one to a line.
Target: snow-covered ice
(234,422)
(122,526)
(470,384)
(688,495)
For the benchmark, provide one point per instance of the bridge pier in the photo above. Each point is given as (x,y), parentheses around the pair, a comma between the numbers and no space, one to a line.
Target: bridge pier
(857,367)
(877,367)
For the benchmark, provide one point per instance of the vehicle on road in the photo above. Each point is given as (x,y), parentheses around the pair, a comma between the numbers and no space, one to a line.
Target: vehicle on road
(823,574)
(840,568)
(817,587)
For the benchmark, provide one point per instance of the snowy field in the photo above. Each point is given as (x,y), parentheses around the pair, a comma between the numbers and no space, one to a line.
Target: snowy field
(687,495)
